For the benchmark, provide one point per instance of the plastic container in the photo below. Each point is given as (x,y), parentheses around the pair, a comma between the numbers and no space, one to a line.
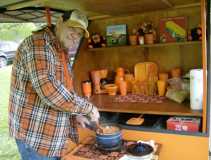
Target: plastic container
(196,89)
(183,124)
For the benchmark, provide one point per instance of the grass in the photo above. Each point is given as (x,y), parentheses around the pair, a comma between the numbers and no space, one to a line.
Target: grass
(8,149)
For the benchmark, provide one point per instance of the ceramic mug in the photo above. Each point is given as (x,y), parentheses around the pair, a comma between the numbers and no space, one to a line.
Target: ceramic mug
(87,88)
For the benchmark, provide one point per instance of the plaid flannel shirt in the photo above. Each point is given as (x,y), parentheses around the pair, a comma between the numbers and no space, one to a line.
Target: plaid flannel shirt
(40,106)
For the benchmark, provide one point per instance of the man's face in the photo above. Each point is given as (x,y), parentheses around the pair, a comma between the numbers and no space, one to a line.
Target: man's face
(70,37)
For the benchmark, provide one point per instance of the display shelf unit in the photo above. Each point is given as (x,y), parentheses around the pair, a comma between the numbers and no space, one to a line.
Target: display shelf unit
(148,45)
(187,55)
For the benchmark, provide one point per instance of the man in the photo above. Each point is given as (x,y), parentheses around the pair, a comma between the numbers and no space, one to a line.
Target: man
(43,107)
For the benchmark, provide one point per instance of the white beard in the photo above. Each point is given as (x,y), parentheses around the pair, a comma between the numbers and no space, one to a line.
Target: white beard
(69,43)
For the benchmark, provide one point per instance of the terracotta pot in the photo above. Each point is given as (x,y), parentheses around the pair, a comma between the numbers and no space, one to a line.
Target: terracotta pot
(148,38)
(163,76)
(133,39)
(161,87)
(123,88)
(176,72)
(118,79)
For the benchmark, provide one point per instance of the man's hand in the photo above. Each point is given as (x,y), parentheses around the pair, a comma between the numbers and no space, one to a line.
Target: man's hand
(94,115)
(82,121)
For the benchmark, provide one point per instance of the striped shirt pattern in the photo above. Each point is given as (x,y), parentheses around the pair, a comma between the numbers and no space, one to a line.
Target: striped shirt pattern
(41,108)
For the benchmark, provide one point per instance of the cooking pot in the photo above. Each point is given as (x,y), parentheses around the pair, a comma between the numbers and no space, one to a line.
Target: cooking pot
(108,136)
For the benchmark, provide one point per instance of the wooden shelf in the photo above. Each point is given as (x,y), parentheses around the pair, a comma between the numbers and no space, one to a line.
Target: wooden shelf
(168,107)
(148,45)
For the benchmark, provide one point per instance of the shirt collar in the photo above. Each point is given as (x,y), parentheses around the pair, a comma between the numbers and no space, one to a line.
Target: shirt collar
(53,39)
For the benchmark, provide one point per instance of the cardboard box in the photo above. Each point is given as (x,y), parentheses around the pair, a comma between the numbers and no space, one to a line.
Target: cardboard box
(116,35)
(183,124)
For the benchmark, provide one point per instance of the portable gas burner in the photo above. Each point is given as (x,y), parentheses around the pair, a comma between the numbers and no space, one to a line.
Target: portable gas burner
(91,151)
(114,148)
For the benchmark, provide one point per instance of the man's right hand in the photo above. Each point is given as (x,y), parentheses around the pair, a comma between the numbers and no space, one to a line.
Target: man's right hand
(94,115)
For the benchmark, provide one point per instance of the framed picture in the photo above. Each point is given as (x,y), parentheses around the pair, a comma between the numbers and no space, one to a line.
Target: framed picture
(116,35)
(173,29)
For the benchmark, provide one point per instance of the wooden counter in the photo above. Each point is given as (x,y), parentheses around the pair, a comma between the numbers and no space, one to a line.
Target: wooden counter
(168,107)
(174,146)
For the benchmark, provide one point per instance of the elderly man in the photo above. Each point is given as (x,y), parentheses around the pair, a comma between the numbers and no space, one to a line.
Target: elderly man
(43,107)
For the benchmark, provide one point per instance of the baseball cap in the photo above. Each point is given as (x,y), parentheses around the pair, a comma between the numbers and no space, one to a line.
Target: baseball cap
(75,18)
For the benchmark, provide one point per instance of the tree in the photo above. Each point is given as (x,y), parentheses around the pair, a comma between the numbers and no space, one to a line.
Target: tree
(16,31)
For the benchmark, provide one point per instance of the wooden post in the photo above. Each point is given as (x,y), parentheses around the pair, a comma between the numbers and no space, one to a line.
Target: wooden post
(48,16)
(204,62)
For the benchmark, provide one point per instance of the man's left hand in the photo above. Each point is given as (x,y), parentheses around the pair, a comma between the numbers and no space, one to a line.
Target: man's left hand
(82,120)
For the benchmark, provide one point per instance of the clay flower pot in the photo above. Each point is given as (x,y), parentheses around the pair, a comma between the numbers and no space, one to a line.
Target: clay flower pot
(111,89)
(133,39)
(148,38)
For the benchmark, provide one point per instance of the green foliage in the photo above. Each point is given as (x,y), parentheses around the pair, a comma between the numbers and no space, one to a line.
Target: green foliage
(16,31)
(8,149)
